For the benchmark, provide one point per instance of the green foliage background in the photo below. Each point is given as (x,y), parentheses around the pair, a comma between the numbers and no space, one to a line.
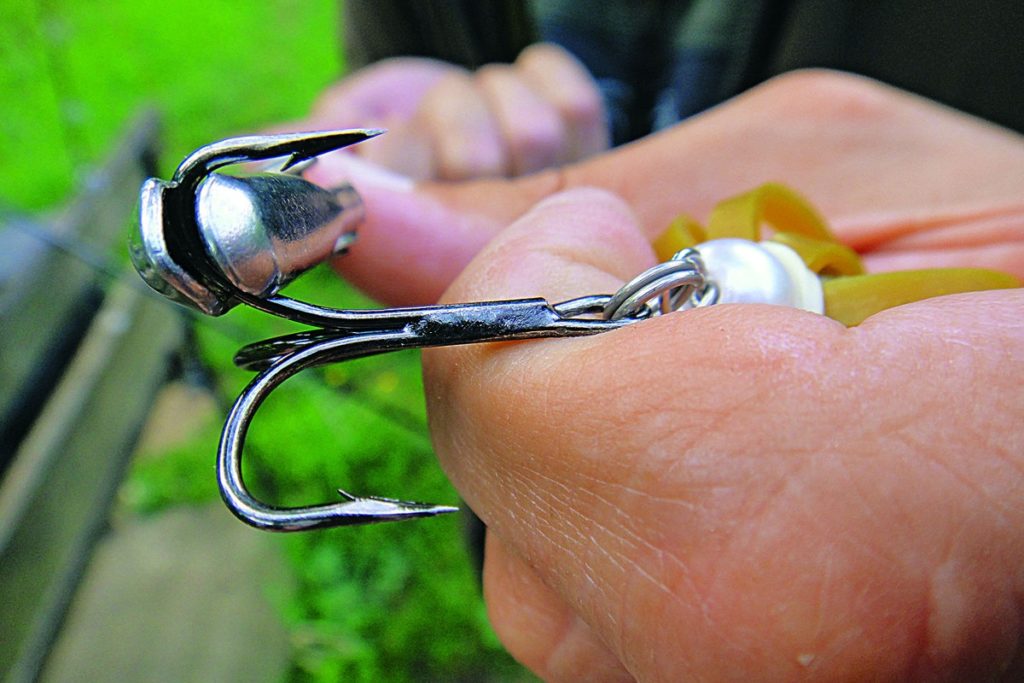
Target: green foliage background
(394,602)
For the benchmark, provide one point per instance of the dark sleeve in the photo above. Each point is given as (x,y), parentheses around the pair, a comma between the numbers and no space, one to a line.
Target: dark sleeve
(968,55)
(467,32)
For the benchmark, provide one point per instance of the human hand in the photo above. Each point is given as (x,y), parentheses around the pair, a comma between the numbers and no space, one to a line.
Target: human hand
(739,490)
(447,123)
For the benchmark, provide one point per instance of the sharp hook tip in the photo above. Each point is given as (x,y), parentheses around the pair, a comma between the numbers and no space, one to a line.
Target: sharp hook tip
(398,507)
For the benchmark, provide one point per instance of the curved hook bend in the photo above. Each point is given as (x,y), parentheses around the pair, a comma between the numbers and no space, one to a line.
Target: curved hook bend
(352,510)
(283,357)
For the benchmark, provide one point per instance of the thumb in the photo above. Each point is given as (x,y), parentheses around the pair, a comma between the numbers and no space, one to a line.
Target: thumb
(580,242)
(736,489)
(576,243)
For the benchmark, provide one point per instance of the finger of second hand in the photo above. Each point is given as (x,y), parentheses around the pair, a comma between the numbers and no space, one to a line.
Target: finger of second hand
(564,82)
(406,149)
(389,89)
(533,131)
(464,136)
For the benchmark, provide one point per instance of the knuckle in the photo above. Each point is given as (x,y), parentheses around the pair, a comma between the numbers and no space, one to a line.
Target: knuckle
(493,72)
(543,54)
(585,109)
(574,94)
(823,90)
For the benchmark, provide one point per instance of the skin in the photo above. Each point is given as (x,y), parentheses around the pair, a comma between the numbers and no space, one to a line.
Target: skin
(544,109)
(738,491)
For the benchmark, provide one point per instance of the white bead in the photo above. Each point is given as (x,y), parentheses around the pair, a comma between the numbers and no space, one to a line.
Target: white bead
(765,272)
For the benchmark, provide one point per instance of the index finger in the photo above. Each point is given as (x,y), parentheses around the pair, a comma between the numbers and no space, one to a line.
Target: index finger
(564,82)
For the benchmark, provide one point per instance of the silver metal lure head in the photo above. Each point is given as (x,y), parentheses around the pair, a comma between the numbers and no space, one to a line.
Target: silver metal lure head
(264,230)
(203,236)
(210,241)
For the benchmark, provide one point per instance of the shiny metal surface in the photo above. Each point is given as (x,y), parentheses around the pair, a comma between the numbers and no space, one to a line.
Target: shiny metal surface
(338,337)
(680,282)
(431,326)
(212,241)
(152,258)
(262,231)
(204,236)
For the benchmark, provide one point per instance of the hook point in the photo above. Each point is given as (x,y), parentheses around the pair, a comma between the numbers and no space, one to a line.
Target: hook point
(391,507)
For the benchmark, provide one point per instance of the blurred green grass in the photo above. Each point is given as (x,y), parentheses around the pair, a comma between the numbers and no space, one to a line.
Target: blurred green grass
(390,603)
(74,73)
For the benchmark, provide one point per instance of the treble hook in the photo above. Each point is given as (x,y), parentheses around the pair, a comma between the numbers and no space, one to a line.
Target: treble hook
(211,241)
(437,326)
